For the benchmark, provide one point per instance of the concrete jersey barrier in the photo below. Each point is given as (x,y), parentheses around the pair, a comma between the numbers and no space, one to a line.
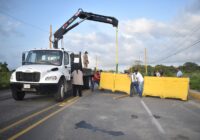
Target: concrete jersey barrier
(166,87)
(163,87)
(115,82)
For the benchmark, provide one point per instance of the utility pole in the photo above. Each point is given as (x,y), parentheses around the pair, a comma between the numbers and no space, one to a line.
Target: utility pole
(96,63)
(145,59)
(50,44)
(116,50)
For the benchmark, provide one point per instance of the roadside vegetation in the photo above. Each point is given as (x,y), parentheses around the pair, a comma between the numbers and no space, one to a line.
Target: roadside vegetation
(189,69)
(4,76)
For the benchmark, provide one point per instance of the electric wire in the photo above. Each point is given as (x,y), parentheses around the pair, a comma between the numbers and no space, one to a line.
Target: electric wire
(177,52)
(196,29)
(23,22)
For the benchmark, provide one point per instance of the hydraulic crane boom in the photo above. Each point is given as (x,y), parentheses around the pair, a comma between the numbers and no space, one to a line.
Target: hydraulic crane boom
(84,16)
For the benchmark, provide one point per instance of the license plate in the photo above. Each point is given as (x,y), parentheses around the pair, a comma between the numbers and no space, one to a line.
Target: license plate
(27,86)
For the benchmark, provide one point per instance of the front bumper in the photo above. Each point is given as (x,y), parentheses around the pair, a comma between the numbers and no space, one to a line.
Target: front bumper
(34,87)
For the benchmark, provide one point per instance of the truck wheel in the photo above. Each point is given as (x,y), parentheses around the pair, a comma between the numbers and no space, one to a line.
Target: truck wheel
(18,95)
(60,94)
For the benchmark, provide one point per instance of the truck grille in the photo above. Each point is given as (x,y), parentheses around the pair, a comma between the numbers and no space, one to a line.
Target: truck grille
(31,77)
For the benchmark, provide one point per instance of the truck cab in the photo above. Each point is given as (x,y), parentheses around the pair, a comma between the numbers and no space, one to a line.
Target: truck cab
(45,71)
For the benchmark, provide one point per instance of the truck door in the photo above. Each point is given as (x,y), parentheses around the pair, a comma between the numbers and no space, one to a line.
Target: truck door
(67,66)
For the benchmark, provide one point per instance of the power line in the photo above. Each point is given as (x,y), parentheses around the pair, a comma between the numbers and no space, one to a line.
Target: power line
(21,21)
(195,29)
(177,52)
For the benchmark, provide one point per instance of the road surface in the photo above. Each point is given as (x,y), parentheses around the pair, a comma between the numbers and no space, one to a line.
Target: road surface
(98,115)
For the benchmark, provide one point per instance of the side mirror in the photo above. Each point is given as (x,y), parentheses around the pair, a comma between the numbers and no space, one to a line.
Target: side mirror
(23,58)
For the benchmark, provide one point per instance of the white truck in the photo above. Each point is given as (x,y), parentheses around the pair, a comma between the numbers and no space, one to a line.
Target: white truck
(46,71)
(49,70)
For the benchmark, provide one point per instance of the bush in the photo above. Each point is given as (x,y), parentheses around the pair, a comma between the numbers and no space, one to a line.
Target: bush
(195,81)
(4,80)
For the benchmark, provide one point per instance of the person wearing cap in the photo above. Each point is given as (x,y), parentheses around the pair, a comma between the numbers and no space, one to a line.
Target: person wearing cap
(85,59)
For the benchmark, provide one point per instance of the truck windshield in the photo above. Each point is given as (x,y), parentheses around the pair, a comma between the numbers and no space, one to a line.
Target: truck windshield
(44,57)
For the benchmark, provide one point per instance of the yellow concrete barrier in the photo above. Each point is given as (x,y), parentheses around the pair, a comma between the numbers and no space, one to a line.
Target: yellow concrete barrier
(107,81)
(122,83)
(166,87)
(115,82)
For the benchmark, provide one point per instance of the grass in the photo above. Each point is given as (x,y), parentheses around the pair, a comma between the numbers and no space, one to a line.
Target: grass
(195,80)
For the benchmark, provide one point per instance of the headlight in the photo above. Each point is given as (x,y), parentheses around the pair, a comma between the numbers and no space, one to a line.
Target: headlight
(51,78)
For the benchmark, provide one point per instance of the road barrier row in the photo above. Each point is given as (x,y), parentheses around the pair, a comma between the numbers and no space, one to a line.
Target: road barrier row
(163,87)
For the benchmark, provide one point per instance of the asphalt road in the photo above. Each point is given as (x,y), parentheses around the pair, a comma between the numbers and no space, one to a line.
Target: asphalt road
(99,115)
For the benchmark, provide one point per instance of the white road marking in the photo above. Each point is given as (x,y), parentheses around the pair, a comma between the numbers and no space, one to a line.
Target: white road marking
(157,124)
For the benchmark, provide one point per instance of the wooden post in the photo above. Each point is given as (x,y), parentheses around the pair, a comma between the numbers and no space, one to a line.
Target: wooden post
(145,57)
(50,44)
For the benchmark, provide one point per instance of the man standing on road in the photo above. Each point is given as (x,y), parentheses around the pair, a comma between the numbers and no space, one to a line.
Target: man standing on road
(77,81)
(140,82)
(85,59)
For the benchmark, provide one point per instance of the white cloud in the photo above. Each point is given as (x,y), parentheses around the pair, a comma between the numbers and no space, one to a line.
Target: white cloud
(161,40)
(8,27)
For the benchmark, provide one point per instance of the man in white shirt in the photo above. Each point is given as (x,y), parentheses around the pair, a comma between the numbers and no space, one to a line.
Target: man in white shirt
(140,82)
(179,73)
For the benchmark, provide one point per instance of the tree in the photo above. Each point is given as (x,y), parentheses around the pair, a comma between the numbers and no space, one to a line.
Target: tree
(3,67)
(190,67)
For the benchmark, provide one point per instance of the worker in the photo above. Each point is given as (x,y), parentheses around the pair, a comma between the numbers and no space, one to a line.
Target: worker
(157,73)
(140,82)
(133,83)
(95,79)
(179,73)
(85,59)
(77,81)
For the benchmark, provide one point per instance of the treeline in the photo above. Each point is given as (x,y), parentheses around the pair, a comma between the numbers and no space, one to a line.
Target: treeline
(186,68)
(4,75)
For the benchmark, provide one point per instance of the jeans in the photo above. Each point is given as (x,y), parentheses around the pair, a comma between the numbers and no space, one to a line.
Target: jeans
(136,86)
(132,89)
(141,84)
(93,82)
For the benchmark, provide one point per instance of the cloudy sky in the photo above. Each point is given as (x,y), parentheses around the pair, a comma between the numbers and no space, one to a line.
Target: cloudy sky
(168,29)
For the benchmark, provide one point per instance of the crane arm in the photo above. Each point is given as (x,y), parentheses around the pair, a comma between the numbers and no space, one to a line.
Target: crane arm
(83,16)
